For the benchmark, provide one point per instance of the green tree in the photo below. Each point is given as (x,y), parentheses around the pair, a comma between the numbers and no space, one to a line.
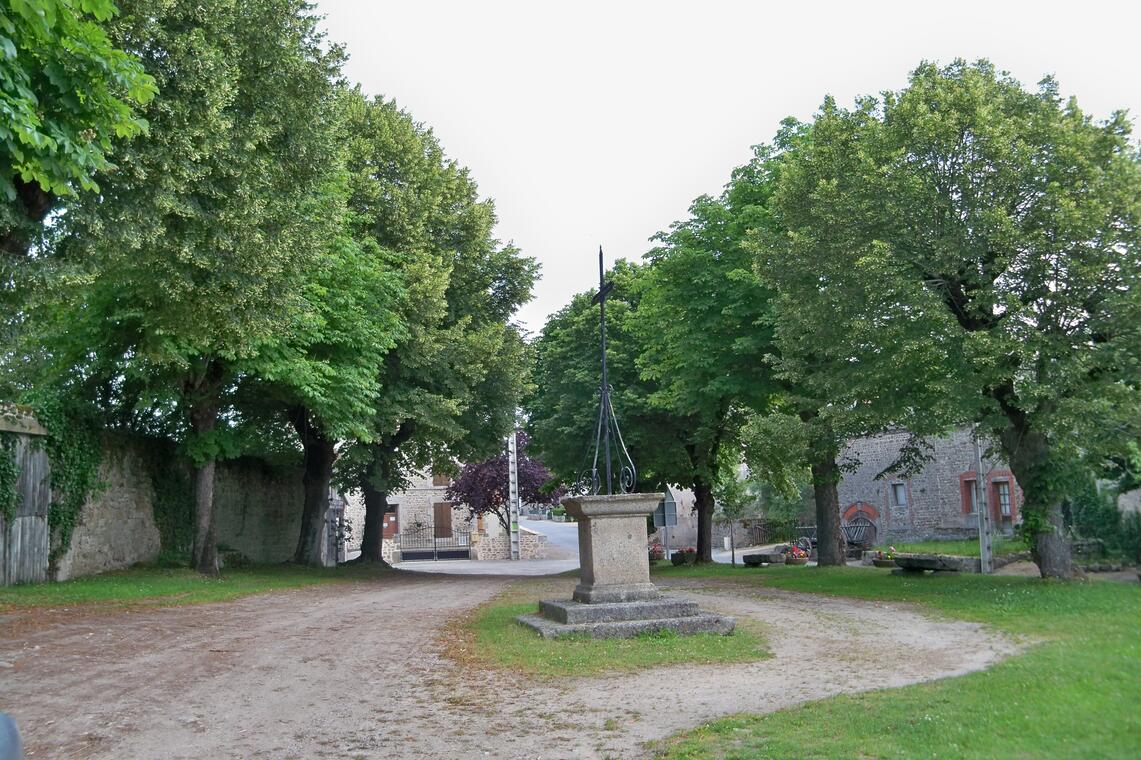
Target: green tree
(66,91)
(562,411)
(453,382)
(197,251)
(966,250)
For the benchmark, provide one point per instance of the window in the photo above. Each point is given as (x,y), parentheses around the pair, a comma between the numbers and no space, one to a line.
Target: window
(439,479)
(899,494)
(1002,491)
(970,496)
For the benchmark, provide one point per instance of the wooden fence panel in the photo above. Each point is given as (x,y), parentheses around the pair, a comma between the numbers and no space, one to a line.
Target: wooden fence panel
(26,543)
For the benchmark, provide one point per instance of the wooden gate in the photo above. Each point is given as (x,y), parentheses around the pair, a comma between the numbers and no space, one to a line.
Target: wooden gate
(25,540)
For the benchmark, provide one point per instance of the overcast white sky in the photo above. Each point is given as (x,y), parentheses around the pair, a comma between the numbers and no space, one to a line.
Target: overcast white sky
(599,122)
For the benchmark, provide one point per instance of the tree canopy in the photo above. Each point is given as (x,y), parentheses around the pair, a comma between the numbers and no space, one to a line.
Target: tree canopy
(966,250)
(483,487)
(66,92)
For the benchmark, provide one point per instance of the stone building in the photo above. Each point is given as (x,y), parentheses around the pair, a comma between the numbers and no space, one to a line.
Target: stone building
(425,525)
(938,502)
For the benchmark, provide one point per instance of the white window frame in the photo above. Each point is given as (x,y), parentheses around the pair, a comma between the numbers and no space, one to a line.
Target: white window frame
(1004,506)
(892,495)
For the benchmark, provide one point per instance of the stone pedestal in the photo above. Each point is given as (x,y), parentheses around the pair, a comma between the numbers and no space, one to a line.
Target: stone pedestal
(612,547)
(615,597)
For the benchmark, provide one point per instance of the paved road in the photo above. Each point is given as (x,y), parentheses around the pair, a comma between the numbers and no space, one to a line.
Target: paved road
(563,535)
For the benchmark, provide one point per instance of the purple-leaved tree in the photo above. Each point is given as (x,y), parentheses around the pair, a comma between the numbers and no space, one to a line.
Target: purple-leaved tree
(483,487)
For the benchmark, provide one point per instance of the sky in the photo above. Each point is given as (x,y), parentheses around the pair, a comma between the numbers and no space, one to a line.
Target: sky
(598,123)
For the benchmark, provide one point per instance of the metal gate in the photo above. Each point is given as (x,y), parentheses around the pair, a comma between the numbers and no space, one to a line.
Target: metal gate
(435,542)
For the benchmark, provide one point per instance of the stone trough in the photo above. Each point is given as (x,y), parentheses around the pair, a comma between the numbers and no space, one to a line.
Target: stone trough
(938,564)
(615,598)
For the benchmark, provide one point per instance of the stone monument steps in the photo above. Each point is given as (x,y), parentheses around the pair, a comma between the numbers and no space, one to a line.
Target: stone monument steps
(625,629)
(572,612)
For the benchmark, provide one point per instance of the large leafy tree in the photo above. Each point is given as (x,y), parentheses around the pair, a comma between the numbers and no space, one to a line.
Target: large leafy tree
(483,487)
(198,249)
(66,92)
(704,324)
(562,410)
(453,382)
(965,249)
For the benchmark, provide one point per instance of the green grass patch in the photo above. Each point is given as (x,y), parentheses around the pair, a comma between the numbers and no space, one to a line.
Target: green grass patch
(965,548)
(174,585)
(1073,694)
(492,637)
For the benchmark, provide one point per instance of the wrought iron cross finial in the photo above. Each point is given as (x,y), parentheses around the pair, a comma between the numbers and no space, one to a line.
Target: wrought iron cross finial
(608,436)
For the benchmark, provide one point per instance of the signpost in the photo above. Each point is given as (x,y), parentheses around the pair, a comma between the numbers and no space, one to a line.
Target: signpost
(665,517)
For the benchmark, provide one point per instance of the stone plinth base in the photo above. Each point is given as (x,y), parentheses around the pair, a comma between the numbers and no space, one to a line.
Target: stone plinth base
(614,598)
(619,592)
(624,619)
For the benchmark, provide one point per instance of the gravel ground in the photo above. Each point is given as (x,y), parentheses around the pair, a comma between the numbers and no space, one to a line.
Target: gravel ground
(357,671)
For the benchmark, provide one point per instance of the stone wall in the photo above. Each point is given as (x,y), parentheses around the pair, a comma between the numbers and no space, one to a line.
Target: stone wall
(116,526)
(935,506)
(497,545)
(258,510)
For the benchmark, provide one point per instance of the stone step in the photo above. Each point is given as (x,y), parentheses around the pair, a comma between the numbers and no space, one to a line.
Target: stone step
(571,612)
(625,629)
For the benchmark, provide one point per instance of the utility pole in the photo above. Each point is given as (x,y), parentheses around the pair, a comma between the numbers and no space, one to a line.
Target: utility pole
(983,512)
(513,493)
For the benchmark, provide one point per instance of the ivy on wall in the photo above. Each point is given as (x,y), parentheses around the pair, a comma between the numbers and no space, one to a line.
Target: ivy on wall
(8,476)
(74,449)
(173,503)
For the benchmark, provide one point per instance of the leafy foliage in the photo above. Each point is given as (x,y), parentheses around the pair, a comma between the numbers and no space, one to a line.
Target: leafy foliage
(965,249)
(483,488)
(67,92)
(9,474)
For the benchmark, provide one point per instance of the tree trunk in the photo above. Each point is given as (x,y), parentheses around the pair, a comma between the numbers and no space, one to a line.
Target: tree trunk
(830,545)
(1028,453)
(703,501)
(320,453)
(202,394)
(375,507)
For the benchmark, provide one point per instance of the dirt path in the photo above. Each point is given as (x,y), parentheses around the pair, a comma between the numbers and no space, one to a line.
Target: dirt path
(355,671)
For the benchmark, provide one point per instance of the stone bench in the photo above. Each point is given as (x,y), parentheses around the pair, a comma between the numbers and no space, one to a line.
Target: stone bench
(937,564)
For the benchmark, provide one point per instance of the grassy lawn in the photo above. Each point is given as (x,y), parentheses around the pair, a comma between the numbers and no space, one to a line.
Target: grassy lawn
(1075,694)
(173,585)
(490,637)
(966,548)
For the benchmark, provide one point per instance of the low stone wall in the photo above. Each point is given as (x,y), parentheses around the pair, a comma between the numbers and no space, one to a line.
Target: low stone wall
(492,547)
(532,545)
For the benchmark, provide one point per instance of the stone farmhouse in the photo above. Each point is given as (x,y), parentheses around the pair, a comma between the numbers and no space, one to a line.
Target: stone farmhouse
(937,502)
(425,525)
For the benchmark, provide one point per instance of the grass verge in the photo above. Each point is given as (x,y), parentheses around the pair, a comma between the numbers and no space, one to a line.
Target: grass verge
(173,586)
(1073,695)
(490,637)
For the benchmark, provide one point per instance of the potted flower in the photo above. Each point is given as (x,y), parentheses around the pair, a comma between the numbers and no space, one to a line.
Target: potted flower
(686,556)
(885,559)
(796,556)
(657,552)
